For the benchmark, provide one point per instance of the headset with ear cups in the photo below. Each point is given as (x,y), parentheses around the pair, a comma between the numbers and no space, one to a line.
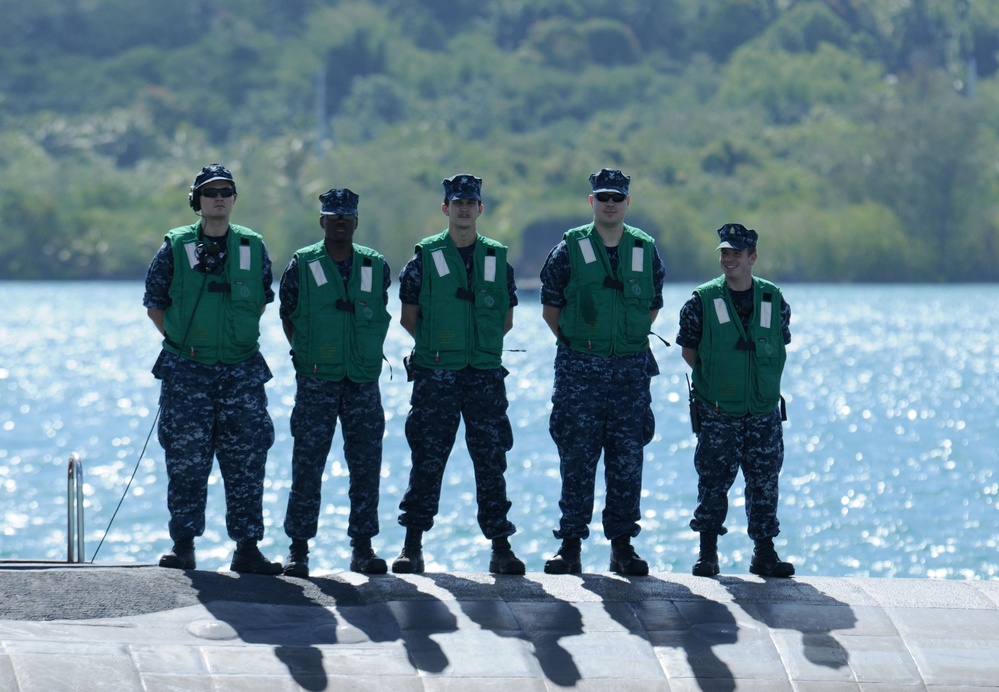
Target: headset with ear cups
(194,199)
(215,171)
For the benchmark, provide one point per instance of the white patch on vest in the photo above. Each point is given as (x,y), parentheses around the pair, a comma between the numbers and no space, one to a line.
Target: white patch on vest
(721,310)
(637,259)
(192,257)
(366,279)
(317,273)
(587,250)
(489,270)
(244,257)
(440,263)
(765,314)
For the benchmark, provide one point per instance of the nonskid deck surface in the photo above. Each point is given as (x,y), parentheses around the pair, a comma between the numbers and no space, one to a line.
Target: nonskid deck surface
(142,627)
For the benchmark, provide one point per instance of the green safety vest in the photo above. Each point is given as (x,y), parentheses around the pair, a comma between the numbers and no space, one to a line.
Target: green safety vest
(739,371)
(215,318)
(459,324)
(608,313)
(340,329)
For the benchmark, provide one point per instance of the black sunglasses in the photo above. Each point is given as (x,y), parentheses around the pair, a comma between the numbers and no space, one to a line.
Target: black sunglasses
(607,196)
(218,192)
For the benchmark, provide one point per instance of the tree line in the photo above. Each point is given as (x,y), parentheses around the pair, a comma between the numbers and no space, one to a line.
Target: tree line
(860,138)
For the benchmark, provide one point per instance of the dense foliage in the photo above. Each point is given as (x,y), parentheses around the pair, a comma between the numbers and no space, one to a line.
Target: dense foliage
(860,137)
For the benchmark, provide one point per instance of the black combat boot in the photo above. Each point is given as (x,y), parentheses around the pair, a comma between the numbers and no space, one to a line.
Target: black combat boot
(766,563)
(567,559)
(181,556)
(410,560)
(707,561)
(249,560)
(503,561)
(297,564)
(363,558)
(624,559)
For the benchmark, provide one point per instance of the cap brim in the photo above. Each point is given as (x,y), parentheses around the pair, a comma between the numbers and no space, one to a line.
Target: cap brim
(212,180)
(727,245)
(610,189)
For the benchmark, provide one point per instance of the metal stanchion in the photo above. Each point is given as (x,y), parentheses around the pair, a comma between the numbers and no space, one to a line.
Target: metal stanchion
(74,509)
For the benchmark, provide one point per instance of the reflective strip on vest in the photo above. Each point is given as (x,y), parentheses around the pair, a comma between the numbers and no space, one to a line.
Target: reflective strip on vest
(637,259)
(366,279)
(192,253)
(721,310)
(766,308)
(244,257)
(489,268)
(440,263)
(587,249)
(317,273)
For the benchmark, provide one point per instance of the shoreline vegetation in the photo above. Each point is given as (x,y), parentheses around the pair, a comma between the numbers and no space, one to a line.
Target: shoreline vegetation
(860,138)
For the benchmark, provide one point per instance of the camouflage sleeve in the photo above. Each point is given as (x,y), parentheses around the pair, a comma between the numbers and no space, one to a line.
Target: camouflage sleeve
(411,280)
(511,285)
(785,320)
(691,323)
(658,279)
(555,276)
(288,290)
(386,282)
(158,278)
(268,274)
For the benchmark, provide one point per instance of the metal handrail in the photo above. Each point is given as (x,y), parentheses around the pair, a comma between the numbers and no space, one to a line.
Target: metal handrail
(74,509)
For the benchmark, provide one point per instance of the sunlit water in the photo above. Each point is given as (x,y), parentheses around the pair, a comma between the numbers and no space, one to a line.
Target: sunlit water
(892,398)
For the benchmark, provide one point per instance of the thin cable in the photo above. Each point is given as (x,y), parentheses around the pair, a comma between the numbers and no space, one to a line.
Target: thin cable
(183,342)
(127,485)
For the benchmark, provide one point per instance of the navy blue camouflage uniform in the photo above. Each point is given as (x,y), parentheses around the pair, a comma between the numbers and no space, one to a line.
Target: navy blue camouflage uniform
(318,405)
(217,410)
(727,444)
(440,399)
(599,404)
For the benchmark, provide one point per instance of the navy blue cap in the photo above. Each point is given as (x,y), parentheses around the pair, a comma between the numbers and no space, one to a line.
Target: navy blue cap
(462,186)
(610,180)
(737,237)
(339,201)
(213,172)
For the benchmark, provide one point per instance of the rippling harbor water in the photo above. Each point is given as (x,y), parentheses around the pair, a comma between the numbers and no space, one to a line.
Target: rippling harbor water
(890,444)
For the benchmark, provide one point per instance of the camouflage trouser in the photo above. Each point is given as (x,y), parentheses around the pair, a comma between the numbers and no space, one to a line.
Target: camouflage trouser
(441,398)
(725,444)
(605,412)
(318,405)
(214,411)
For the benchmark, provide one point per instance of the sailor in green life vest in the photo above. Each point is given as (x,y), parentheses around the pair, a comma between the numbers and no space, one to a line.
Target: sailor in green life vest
(333,309)
(601,290)
(458,293)
(733,332)
(206,289)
